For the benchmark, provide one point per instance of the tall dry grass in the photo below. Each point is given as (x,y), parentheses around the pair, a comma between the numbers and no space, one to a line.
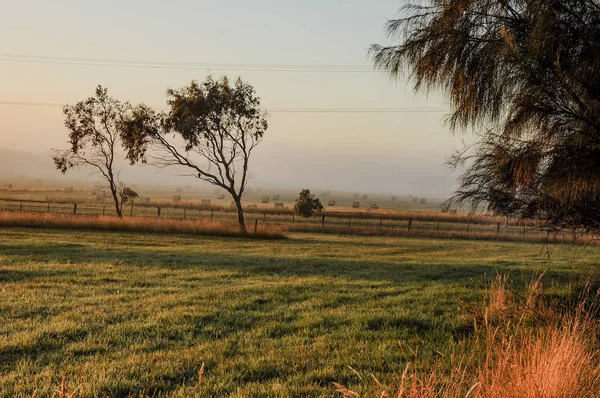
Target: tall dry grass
(137,224)
(524,346)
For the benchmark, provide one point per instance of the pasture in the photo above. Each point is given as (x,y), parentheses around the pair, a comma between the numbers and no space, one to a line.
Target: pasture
(122,314)
(397,217)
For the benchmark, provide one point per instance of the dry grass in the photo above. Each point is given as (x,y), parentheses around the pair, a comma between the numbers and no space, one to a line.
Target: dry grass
(525,346)
(136,224)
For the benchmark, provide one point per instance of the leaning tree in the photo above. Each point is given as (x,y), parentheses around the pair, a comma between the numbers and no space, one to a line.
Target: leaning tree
(525,74)
(95,140)
(211,130)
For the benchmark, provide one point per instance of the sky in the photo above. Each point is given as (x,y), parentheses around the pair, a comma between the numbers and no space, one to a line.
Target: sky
(362,152)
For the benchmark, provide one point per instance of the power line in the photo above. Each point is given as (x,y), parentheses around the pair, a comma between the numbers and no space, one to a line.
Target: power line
(273,110)
(124,63)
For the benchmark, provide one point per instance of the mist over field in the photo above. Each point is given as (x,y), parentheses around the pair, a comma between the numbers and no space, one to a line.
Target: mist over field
(351,170)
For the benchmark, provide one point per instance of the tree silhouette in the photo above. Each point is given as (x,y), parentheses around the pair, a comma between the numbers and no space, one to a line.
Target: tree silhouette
(211,130)
(306,205)
(94,136)
(525,74)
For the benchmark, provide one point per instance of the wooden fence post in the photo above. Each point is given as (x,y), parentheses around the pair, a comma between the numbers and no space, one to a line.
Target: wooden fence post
(323,222)
(255,226)
(438,226)
(468,226)
(498,228)
(103,209)
(264,217)
(349,222)
(74,208)
(293,218)
(409,224)
(212,214)
(48,207)
(158,212)
(184,212)
(21,207)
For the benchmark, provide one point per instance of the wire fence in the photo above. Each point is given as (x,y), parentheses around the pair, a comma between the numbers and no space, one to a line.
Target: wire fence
(372,222)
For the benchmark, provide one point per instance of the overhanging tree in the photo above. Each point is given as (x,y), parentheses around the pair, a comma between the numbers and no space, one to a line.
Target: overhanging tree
(211,129)
(526,75)
(95,139)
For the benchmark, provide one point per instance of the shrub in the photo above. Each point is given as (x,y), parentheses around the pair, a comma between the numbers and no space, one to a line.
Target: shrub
(306,204)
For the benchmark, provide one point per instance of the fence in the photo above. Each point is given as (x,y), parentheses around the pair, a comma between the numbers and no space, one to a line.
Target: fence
(334,220)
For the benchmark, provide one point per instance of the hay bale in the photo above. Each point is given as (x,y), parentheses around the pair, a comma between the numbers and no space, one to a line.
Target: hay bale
(365,197)
(100,196)
(176,198)
(279,205)
(331,203)
(68,190)
(276,197)
(145,200)
(205,202)
(265,199)
(423,200)
(252,207)
(355,205)
(374,207)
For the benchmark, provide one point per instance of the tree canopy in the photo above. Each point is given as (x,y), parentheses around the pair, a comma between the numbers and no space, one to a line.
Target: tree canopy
(95,139)
(525,74)
(211,130)
(306,204)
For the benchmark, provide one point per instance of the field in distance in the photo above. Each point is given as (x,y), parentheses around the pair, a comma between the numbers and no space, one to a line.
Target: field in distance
(123,313)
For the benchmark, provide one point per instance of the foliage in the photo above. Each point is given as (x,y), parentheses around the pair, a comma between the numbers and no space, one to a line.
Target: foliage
(127,194)
(525,73)
(218,122)
(94,136)
(306,205)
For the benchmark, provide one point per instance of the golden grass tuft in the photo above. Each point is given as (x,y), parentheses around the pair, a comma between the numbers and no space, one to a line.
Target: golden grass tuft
(522,348)
(137,224)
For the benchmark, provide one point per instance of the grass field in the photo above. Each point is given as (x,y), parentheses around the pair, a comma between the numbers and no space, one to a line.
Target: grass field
(123,313)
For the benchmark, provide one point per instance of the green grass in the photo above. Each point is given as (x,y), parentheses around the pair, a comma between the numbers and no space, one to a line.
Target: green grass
(121,313)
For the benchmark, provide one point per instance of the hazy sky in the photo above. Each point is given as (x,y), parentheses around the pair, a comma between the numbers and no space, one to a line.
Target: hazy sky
(386,152)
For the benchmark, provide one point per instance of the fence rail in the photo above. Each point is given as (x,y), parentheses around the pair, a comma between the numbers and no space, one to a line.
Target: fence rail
(352,221)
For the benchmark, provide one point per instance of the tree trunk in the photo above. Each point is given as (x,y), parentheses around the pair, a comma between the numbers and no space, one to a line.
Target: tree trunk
(113,190)
(240,213)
